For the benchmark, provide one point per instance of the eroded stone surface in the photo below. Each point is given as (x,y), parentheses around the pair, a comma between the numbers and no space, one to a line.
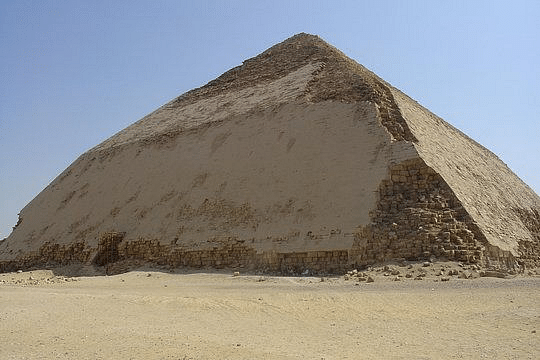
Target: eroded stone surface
(298,160)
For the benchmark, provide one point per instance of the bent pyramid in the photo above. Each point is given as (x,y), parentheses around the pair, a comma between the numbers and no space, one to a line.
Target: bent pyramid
(299,159)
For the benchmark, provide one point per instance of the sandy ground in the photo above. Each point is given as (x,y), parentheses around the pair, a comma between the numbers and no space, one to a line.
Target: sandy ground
(158,315)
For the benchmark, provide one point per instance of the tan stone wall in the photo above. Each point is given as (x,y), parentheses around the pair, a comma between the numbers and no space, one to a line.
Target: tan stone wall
(115,257)
(529,251)
(419,216)
(293,178)
(50,255)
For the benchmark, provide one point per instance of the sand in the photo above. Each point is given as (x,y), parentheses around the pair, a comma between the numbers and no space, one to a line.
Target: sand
(159,315)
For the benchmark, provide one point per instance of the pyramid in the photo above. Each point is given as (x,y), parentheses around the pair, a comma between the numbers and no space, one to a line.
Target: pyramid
(298,159)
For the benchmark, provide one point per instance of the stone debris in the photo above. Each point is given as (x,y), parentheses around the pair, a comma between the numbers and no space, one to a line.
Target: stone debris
(438,271)
(37,278)
(491,273)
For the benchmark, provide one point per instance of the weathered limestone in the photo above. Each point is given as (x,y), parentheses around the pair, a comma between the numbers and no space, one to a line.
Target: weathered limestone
(299,159)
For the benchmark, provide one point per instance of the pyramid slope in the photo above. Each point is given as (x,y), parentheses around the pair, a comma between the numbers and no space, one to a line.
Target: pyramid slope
(502,205)
(298,159)
(303,67)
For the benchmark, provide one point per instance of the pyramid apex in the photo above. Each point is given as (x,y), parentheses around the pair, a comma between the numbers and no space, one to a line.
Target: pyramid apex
(303,37)
(300,40)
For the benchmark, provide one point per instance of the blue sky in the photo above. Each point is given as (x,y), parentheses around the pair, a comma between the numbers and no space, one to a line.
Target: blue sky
(72,73)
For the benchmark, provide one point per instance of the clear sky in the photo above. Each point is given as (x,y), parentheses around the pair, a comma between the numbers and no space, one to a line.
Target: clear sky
(72,73)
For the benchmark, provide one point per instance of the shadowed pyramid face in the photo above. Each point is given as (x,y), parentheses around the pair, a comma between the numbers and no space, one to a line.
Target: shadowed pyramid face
(299,159)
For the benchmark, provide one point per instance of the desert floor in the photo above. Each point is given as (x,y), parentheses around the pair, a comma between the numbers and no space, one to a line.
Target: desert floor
(159,315)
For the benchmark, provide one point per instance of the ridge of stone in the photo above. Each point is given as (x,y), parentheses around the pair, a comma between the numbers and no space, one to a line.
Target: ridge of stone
(273,63)
(340,79)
